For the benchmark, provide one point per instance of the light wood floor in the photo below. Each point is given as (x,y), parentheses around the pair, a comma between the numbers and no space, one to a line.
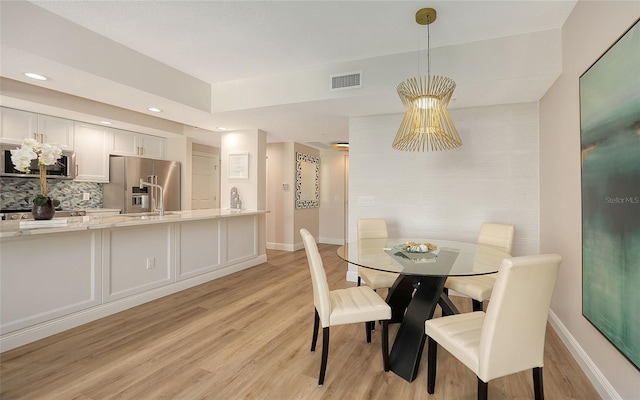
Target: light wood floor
(247,336)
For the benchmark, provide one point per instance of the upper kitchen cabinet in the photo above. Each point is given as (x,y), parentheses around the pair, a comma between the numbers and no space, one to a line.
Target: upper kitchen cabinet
(18,125)
(92,144)
(127,143)
(56,130)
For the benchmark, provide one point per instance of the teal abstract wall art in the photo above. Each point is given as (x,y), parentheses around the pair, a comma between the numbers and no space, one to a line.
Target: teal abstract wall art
(610,145)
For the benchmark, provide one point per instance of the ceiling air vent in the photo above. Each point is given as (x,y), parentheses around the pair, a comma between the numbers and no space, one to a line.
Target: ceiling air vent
(351,80)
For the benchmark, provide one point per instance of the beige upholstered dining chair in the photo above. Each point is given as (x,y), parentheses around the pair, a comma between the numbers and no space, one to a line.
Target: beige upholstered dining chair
(510,336)
(374,228)
(479,287)
(342,306)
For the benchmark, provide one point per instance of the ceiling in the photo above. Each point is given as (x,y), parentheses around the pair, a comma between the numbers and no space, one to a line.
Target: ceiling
(266,64)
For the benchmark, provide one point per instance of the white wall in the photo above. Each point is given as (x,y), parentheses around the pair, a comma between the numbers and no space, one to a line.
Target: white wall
(280,201)
(251,190)
(590,30)
(492,177)
(333,165)
(284,221)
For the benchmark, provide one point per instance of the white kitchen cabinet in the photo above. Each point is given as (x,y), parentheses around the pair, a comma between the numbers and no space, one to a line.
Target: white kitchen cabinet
(127,143)
(92,146)
(18,125)
(152,146)
(56,130)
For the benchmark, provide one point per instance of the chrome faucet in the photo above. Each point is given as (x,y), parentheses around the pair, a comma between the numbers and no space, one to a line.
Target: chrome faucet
(153,185)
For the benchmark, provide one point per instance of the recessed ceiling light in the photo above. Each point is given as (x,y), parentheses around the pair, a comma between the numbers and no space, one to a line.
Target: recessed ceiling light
(154,109)
(33,75)
(106,123)
(221,128)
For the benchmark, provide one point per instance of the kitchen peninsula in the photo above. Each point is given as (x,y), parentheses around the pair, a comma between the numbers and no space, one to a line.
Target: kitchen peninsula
(58,277)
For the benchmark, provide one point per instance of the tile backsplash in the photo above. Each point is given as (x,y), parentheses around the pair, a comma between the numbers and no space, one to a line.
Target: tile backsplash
(17,193)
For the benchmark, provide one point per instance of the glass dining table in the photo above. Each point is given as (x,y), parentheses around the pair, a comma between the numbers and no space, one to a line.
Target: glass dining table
(420,284)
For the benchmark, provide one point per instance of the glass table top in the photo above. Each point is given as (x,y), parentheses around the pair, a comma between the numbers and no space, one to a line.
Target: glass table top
(450,258)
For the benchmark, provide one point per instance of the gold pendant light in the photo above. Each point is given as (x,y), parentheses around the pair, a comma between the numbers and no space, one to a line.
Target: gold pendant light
(426,124)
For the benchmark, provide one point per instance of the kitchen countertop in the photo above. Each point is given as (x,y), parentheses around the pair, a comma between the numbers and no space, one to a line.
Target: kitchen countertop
(13,228)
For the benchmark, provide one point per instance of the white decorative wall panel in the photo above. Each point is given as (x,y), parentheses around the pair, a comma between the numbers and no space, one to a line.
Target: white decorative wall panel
(242,238)
(36,286)
(198,248)
(138,259)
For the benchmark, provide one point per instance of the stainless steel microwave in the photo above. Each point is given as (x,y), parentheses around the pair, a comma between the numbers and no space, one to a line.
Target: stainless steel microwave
(64,168)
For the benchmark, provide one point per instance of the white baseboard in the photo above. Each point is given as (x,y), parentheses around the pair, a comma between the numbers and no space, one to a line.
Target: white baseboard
(599,381)
(285,246)
(280,246)
(326,240)
(30,334)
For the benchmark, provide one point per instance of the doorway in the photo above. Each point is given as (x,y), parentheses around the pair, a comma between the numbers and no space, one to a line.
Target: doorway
(205,191)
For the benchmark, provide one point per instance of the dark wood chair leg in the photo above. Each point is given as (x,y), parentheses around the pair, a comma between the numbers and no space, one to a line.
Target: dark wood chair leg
(432,353)
(385,345)
(367,326)
(483,390)
(359,281)
(477,305)
(537,383)
(325,355)
(316,325)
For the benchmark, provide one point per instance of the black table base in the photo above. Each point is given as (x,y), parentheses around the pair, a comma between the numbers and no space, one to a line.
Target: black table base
(412,310)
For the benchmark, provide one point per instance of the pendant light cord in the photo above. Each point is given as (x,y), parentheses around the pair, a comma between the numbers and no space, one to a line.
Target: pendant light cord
(428,48)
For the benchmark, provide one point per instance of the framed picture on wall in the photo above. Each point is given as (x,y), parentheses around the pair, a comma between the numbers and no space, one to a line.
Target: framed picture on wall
(610,147)
(239,166)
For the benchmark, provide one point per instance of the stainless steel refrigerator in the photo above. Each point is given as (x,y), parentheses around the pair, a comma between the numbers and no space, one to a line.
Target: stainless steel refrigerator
(123,190)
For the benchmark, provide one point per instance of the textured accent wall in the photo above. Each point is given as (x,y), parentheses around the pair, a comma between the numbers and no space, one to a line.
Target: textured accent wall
(493,177)
(16,193)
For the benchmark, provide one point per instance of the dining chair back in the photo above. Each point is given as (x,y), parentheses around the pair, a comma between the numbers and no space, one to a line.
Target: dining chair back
(342,306)
(370,229)
(479,287)
(510,336)
(319,283)
(497,235)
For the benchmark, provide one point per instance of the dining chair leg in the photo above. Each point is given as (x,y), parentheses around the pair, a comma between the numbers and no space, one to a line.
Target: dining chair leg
(316,325)
(359,281)
(325,354)
(483,390)
(537,383)
(477,305)
(367,327)
(385,345)
(432,353)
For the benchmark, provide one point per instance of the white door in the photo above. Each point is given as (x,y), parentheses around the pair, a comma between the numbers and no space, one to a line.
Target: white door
(205,192)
